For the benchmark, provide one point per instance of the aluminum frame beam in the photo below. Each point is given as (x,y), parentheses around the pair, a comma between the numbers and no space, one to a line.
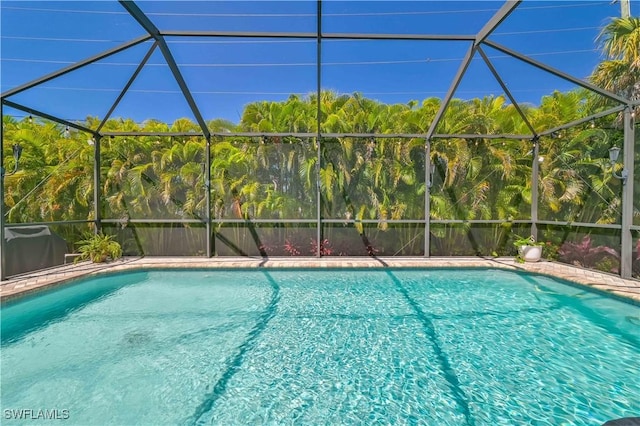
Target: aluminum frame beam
(475,136)
(153,31)
(583,120)
(423,136)
(496,20)
(428,181)
(406,37)
(126,86)
(207,188)
(275,221)
(506,90)
(47,116)
(60,222)
(350,221)
(478,221)
(159,134)
(452,88)
(236,34)
(264,134)
(97,205)
(374,135)
(535,177)
(313,36)
(557,72)
(121,221)
(319,238)
(626,239)
(580,224)
(75,66)
(2,256)
(328,135)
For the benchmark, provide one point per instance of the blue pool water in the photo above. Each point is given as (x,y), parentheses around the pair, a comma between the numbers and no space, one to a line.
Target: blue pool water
(376,346)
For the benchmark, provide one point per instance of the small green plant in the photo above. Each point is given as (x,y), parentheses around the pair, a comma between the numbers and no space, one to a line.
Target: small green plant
(521,242)
(526,241)
(98,248)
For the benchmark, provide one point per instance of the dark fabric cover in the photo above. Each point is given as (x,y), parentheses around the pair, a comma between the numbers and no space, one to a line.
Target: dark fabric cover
(29,248)
(627,421)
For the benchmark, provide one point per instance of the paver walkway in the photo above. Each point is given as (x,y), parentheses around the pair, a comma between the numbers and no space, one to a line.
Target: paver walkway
(27,283)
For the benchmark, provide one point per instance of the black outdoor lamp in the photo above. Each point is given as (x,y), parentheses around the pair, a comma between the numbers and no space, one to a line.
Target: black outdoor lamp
(614,152)
(17,152)
(432,170)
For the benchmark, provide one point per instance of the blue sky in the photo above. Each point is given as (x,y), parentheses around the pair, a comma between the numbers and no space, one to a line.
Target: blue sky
(226,74)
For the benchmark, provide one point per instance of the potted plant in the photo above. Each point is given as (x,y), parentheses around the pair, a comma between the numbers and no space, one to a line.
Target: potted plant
(529,250)
(98,248)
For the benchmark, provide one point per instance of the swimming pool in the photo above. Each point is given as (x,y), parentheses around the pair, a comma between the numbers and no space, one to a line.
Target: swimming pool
(393,346)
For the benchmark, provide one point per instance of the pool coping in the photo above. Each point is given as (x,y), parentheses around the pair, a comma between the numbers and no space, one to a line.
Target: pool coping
(21,285)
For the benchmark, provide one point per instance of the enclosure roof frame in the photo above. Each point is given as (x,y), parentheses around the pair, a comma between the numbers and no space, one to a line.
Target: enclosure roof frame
(158,36)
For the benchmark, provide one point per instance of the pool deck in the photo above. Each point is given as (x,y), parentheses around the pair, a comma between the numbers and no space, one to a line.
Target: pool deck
(30,282)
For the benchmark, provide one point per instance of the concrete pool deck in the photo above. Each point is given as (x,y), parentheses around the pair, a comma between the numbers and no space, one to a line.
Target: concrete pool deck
(35,281)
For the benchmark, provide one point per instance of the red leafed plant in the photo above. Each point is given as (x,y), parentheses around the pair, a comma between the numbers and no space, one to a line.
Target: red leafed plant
(584,254)
(325,247)
(291,248)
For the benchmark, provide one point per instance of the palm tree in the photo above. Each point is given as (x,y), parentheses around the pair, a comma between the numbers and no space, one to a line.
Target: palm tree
(620,71)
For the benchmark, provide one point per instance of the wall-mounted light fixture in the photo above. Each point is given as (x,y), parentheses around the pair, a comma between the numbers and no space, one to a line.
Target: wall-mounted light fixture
(432,170)
(17,153)
(614,152)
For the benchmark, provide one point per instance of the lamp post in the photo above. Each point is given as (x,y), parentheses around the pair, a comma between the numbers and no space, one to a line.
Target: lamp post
(614,153)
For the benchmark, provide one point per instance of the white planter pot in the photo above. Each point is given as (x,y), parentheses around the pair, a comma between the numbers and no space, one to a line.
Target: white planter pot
(530,253)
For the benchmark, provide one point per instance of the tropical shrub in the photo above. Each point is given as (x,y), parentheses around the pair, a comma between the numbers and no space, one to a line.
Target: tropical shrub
(98,248)
(276,177)
(586,255)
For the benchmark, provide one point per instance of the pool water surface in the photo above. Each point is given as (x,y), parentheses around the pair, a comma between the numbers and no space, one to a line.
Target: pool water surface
(364,346)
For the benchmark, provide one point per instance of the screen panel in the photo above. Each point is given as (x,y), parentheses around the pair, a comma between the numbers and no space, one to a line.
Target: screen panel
(481,179)
(53,177)
(264,178)
(160,239)
(373,178)
(265,239)
(152,177)
(591,248)
(458,239)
